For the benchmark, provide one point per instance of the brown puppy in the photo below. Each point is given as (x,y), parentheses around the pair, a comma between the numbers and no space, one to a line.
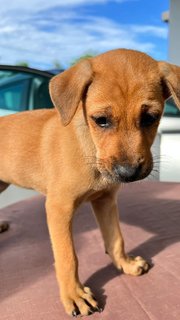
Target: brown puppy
(100,134)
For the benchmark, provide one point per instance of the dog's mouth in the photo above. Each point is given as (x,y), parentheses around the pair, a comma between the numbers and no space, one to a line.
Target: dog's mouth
(126,173)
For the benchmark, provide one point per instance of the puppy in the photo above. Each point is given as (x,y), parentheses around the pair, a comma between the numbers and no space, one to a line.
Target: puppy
(99,135)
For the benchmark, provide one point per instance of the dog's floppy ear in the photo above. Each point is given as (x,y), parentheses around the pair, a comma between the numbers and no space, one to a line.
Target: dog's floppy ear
(170,75)
(68,87)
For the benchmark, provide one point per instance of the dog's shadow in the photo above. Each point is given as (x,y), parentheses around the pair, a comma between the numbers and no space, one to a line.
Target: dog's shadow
(152,210)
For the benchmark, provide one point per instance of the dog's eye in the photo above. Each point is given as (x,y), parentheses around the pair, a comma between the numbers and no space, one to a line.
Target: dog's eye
(102,122)
(148,119)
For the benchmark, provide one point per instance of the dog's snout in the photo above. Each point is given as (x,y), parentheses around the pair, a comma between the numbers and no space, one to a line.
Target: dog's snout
(127,173)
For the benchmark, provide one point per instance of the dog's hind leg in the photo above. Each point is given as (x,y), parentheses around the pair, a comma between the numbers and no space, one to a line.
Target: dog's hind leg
(4,225)
(3,186)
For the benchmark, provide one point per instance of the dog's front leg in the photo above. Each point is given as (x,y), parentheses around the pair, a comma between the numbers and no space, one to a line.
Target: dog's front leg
(106,212)
(73,294)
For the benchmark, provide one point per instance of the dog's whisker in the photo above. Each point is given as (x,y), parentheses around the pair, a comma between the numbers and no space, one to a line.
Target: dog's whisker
(156,170)
(153,175)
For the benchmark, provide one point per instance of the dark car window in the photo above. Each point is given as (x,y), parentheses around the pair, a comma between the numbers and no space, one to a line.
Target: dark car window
(170,109)
(41,97)
(13,91)
(21,90)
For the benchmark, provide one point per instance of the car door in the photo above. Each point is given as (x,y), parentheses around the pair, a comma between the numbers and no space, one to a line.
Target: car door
(23,89)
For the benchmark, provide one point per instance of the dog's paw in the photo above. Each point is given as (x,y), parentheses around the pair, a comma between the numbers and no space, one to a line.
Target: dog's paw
(135,266)
(4,225)
(80,302)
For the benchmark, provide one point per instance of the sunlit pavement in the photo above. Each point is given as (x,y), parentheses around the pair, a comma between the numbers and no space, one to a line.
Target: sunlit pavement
(14,194)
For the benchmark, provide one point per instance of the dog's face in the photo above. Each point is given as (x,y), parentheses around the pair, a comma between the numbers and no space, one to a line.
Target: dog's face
(124,106)
(121,96)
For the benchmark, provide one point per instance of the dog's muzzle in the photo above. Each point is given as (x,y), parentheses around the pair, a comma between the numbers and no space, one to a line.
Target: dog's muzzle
(128,173)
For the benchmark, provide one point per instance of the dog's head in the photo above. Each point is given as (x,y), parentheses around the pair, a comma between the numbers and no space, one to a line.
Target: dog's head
(120,96)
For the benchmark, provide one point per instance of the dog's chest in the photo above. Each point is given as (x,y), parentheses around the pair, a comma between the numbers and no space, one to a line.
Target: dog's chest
(98,190)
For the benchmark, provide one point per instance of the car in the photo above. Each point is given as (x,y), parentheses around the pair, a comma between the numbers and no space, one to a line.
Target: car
(23,88)
(169,144)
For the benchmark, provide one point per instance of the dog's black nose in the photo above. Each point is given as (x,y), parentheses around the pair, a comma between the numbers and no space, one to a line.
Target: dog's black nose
(127,173)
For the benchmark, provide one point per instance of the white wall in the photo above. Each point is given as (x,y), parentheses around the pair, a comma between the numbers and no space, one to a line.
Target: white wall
(174,32)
